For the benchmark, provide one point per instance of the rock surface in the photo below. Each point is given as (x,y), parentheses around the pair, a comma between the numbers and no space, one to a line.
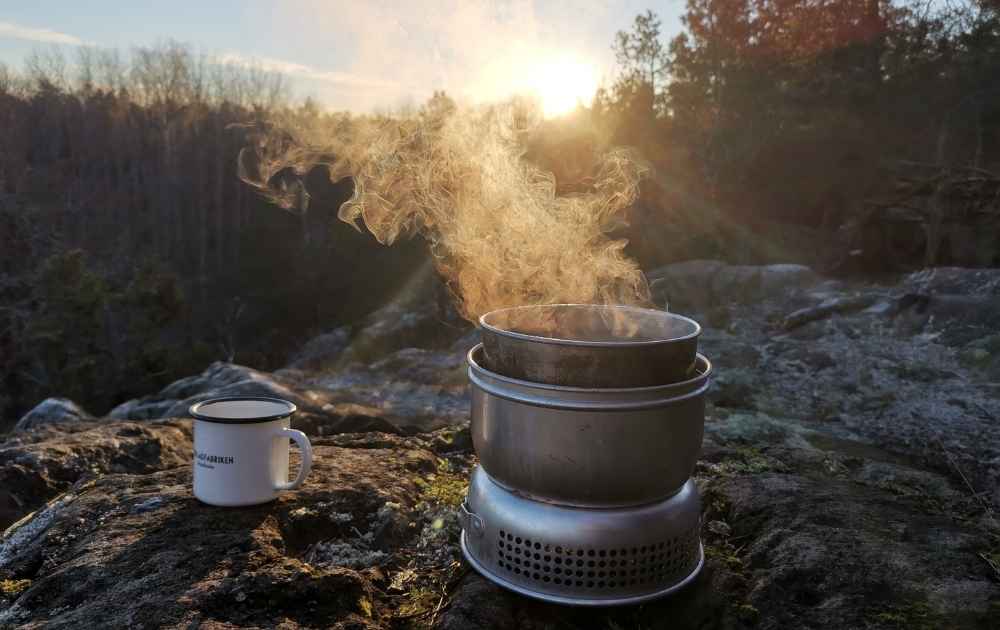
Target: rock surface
(219,379)
(52,411)
(850,477)
(127,551)
(37,465)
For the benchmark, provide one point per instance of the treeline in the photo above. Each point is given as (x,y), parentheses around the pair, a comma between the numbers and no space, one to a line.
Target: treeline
(785,129)
(835,132)
(130,252)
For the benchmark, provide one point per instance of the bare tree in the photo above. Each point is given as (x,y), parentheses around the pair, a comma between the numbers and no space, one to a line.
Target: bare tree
(46,68)
(163,74)
(7,79)
(110,71)
(84,70)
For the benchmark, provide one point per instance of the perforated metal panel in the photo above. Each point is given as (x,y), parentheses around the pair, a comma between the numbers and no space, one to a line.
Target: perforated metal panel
(582,556)
(665,562)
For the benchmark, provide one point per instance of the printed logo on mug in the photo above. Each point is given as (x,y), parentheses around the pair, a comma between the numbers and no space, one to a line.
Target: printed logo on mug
(241,450)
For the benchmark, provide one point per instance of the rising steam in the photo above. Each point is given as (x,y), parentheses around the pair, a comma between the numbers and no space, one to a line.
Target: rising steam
(499,233)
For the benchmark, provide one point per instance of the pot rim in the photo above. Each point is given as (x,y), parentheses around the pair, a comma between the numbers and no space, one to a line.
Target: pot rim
(623,343)
(691,383)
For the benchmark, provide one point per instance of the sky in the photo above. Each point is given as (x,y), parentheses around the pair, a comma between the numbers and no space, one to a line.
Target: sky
(360,55)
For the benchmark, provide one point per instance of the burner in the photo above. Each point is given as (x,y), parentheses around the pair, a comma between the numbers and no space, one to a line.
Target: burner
(583,557)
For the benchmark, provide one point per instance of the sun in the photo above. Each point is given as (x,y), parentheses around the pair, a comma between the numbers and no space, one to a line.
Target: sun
(562,83)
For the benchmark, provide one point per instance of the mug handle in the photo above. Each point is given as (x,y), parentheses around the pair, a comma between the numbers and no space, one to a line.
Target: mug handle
(307,456)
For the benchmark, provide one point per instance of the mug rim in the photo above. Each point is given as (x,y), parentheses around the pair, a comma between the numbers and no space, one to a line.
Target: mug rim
(195,412)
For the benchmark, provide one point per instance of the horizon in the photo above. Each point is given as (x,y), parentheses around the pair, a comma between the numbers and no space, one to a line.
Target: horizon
(476,51)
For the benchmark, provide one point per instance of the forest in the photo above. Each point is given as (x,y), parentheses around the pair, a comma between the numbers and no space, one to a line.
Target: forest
(854,136)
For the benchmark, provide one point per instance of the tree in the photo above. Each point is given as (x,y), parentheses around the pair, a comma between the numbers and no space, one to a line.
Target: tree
(643,63)
(640,53)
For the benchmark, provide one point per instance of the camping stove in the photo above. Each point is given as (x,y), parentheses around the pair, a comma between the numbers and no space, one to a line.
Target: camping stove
(583,495)
(589,557)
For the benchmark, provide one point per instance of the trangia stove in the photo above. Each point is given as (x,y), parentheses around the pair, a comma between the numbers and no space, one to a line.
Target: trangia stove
(587,421)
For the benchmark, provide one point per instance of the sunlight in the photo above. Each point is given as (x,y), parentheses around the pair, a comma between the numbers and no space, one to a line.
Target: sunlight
(562,83)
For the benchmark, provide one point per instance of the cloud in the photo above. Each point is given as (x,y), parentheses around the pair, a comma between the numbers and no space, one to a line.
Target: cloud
(48,36)
(476,50)
(298,70)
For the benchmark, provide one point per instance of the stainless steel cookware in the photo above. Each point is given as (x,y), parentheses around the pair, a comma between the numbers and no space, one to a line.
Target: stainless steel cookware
(589,345)
(587,447)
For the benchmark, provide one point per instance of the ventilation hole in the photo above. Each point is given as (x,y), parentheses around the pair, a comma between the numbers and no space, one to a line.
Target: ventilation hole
(590,585)
(546,578)
(510,536)
(518,540)
(548,558)
(600,584)
(601,563)
(517,571)
(579,552)
(557,571)
(537,566)
(558,560)
(613,573)
(602,553)
(612,563)
(538,556)
(600,574)
(536,576)
(557,581)
(538,545)
(579,563)
(612,553)
(579,583)
(517,561)
(590,552)
(502,533)
(558,549)
(590,574)
(547,548)
(590,563)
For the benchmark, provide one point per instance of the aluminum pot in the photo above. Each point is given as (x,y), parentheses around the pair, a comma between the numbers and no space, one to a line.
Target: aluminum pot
(587,447)
(589,345)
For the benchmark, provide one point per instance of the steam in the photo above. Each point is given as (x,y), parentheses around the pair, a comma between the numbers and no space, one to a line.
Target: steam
(499,233)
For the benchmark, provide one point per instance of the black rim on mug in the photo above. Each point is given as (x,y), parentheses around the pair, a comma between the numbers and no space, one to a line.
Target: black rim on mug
(198,411)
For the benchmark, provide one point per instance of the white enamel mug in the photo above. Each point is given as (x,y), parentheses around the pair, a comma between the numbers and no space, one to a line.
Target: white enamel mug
(241,450)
